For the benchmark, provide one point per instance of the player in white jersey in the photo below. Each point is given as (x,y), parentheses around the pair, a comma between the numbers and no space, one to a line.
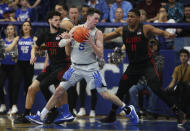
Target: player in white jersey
(84,65)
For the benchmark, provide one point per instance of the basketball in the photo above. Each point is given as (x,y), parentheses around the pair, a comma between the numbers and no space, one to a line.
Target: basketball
(80,34)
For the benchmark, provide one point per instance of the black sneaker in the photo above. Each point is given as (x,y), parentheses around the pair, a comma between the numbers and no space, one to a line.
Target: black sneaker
(181,118)
(51,116)
(110,118)
(21,119)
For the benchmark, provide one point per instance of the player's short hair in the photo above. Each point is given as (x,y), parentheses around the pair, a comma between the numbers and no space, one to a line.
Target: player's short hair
(53,13)
(91,11)
(184,51)
(136,11)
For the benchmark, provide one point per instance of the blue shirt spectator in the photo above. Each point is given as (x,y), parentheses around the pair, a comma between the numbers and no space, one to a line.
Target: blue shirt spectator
(23,13)
(3,8)
(175,10)
(102,6)
(125,5)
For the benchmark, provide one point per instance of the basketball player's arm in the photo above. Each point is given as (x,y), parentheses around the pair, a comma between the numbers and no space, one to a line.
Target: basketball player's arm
(156,31)
(12,45)
(46,62)
(98,47)
(114,34)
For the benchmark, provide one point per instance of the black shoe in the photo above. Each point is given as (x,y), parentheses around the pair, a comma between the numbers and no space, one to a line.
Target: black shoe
(181,118)
(110,118)
(51,116)
(21,119)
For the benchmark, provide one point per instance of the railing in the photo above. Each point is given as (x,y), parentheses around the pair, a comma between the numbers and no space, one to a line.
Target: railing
(161,25)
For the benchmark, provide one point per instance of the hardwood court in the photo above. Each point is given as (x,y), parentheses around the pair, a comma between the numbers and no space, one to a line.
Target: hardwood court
(92,124)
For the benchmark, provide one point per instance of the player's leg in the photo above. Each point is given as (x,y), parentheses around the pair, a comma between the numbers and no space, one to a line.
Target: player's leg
(69,79)
(95,81)
(155,84)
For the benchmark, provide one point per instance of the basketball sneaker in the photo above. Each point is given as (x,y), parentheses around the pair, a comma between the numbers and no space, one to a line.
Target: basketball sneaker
(35,118)
(110,118)
(64,115)
(21,119)
(51,116)
(64,118)
(132,115)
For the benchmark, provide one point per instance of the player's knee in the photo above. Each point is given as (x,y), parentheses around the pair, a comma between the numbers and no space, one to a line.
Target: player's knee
(105,94)
(33,89)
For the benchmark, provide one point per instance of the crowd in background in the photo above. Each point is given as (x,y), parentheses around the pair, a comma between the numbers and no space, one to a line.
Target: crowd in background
(115,11)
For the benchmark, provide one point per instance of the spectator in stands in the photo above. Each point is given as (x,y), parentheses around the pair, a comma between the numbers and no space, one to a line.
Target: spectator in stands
(63,10)
(143,15)
(117,41)
(100,5)
(39,9)
(82,95)
(142,84)
(7,69)
(163,18)
(23,70)
(185,32)
(9,15)
(74,15)
(175,10)
(151,7)
(180,83)
(13,4)
(24,12)
(72,93)
(3,8)
(125,5)
(83,15)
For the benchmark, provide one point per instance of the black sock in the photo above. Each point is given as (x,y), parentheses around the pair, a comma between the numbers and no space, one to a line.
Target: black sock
(27,112)
(53,109)
(127,109)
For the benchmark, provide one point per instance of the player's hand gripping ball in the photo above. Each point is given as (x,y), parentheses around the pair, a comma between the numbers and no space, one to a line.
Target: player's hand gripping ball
(80,34)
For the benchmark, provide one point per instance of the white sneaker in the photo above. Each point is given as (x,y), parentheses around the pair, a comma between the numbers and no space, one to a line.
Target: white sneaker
(74,111)
(9,112)
(14,109)
(92,113)
(81,112)
(2,108)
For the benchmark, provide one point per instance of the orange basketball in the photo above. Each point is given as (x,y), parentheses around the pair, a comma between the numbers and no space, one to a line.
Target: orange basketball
(80,34)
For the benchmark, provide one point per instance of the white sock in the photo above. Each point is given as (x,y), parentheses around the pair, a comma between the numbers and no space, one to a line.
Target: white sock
(43,113)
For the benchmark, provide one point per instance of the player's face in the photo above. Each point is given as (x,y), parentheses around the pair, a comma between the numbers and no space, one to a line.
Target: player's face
(183,58)
(93,20)
(55,22)
(132,19)
(10,30)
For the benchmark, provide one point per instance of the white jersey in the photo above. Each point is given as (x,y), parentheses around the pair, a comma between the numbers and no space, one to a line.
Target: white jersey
(83,53)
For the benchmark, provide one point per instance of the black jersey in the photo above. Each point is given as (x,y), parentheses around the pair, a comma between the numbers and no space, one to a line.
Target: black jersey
(56,54)
(136,45)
